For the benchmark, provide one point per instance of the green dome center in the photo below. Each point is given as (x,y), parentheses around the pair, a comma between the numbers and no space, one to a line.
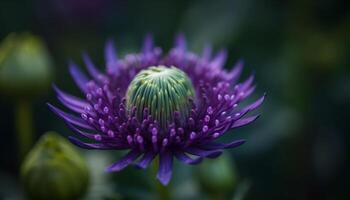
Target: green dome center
(163,90)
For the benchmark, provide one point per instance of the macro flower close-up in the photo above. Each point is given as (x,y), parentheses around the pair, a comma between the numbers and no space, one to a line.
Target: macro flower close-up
(174,100)
(171,105)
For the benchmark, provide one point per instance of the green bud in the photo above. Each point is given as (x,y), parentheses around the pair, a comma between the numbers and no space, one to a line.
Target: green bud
(218,177)
(25,66)
(163,91)
(54,170)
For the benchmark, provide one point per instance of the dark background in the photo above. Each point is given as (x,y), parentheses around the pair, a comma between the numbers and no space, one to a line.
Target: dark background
(298,49)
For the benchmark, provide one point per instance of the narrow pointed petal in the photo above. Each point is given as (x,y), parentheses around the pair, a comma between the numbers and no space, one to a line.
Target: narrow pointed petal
(206,54)
(165,167)
(78,76)
(146,160)
(219,59)
(80,132)
(215,146)
(70,106)
(69,118)
(254,105)
(148,44)
(226,127)
(85,145)
(246,110)
(186,159)
(203,152)
(244,121)
(237,70)
(116,145)
(124,161)
(70,98)
(71,102)
(111,58)
(248,92)
(247,83)
(180,42)
(93,71)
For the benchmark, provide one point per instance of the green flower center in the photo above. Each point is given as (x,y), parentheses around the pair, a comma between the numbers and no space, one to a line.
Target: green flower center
(162,90)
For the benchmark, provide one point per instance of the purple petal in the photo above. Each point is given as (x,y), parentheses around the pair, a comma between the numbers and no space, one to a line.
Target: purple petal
(115,144)
(146,160)
(203,152)
(70,106)
(247,83)
(255,105)
(237,70)
(124,161)
(165,167)
(206,55)
(78,76)
(220,59)
(71,102)
(148,44)
(214,146)
(244,121)
(70,98)
(80,132)
(85,145)
(110,55)
(180,42)
(93,71)
(186,159)
(245,111)
(69,118)
(248,92)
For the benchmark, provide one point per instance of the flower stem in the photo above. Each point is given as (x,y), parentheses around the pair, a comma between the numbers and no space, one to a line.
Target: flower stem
(24,127)
(217,196)
(163,192)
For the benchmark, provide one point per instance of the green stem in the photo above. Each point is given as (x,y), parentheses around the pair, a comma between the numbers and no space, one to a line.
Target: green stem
(162,192)
(217,196)
(24,127)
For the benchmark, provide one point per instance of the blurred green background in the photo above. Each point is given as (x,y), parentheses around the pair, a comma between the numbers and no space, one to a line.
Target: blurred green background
(298,49)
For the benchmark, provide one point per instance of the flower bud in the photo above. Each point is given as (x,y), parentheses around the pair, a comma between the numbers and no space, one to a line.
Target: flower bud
(54,170)
(218,176)
(25,66)
(162,90)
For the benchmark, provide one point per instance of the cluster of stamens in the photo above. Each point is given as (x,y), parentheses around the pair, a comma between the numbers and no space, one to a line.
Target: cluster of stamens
(124,127)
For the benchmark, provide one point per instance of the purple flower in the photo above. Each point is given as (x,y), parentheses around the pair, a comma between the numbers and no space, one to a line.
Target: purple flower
(172,105)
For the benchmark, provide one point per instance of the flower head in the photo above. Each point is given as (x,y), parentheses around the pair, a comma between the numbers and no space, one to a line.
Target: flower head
(172,105)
